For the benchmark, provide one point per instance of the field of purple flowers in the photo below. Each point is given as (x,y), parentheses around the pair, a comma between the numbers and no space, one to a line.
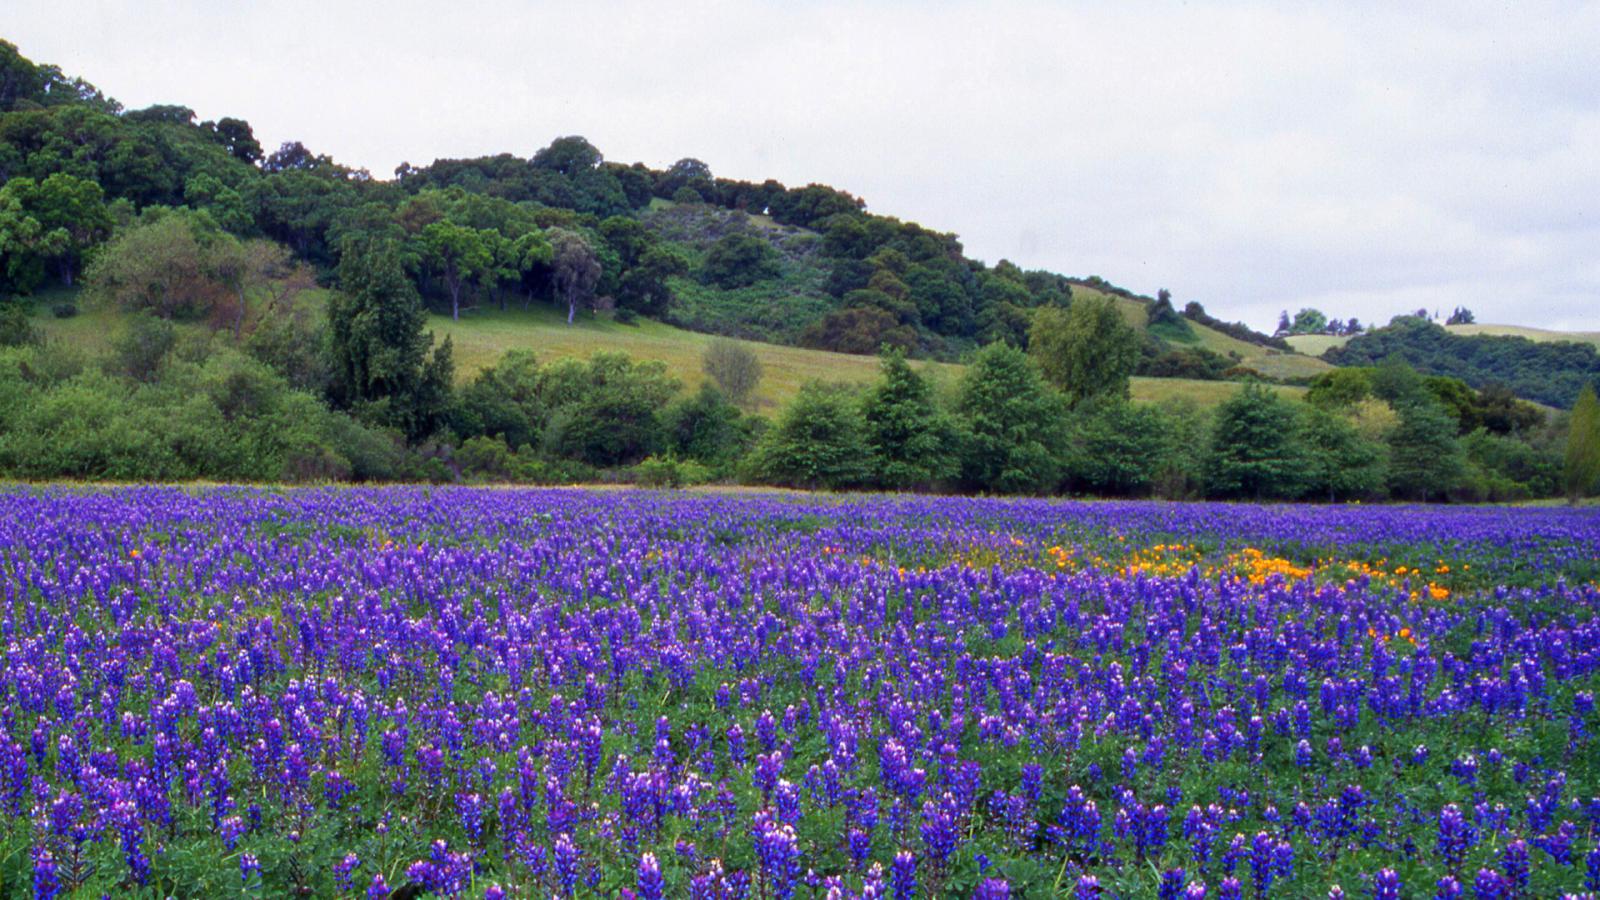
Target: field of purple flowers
(478,693)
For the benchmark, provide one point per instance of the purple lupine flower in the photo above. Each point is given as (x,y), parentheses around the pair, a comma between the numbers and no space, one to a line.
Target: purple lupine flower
(1088,888)
(903,876)
(1386,885)
(651,884)
(343,869)
(992,889)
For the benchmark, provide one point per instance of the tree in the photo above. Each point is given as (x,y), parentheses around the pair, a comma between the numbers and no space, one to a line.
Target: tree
(51,223)
(1087,351)
(705,427)
(568,156)
(457,254)
(1341,463)
(1116,447)
(576,269)
(237,137)
(734,367)
(503,401)
(909,438)
(606,411)
(738,260)
(167,264)
(1014,424)
(385,365)
(1256,451)
(1285,326)
(1461,316)
(816,443)
(1425,459)
(1309,321)
(1581,469)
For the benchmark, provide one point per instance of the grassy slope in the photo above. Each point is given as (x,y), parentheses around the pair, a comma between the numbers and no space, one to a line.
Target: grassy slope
(1317,344)
(1532,334)
(1269,362)
(482,336)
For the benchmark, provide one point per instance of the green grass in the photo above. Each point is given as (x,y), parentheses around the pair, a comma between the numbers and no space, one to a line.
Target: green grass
(480,338)
(1317,344)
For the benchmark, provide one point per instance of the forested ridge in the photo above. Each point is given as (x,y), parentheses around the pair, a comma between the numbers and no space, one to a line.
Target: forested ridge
(272,323)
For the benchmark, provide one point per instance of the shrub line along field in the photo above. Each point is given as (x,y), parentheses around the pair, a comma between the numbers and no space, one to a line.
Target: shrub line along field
(404,692)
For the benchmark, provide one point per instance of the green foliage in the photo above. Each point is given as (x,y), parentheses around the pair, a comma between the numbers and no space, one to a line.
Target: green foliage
(606,411)
(503,402)
(1309,321)
(910,440)
(576,270)
(457,255)
(1117,448)
(1503,468)
(739,260)
(15,329)
(860,330)
(1013,424)
(733,367)
(381,355)
(1581,466)
(49,225)
(1087,351)
(706,428)
(817,442)
(662,472)
(1551,373)
(1425,459)
(1343,387)
(1196,363)
(1341,463)
(175,264)
(1256,449)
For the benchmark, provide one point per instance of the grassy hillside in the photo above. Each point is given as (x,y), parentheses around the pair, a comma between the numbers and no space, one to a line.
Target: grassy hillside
(1316,344)
(481,337)
(1532,334)
(1269,362)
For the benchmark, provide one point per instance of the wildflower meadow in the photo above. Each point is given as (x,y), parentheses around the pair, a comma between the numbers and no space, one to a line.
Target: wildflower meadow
(402,692)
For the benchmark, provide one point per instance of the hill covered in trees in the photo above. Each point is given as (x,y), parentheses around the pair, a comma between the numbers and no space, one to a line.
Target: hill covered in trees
(255,315)
(1550,372)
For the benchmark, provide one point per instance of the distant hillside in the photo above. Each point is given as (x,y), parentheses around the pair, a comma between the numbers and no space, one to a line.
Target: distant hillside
(1542,335)
(1550,372)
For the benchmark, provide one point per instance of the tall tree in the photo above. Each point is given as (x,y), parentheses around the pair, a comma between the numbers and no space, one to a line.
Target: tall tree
(1014,424)
(1087,351)
(576,270)
(1256,451)
(908,436)
(49,224)
(1425,459)
(382,360)
(457,255)
(816,443)
(1581,472)
(1342,464)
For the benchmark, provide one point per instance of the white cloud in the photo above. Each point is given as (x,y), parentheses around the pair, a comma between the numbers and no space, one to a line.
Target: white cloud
(1367,158)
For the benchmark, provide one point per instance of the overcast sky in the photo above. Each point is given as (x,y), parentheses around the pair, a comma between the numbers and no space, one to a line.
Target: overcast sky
(1365,159)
